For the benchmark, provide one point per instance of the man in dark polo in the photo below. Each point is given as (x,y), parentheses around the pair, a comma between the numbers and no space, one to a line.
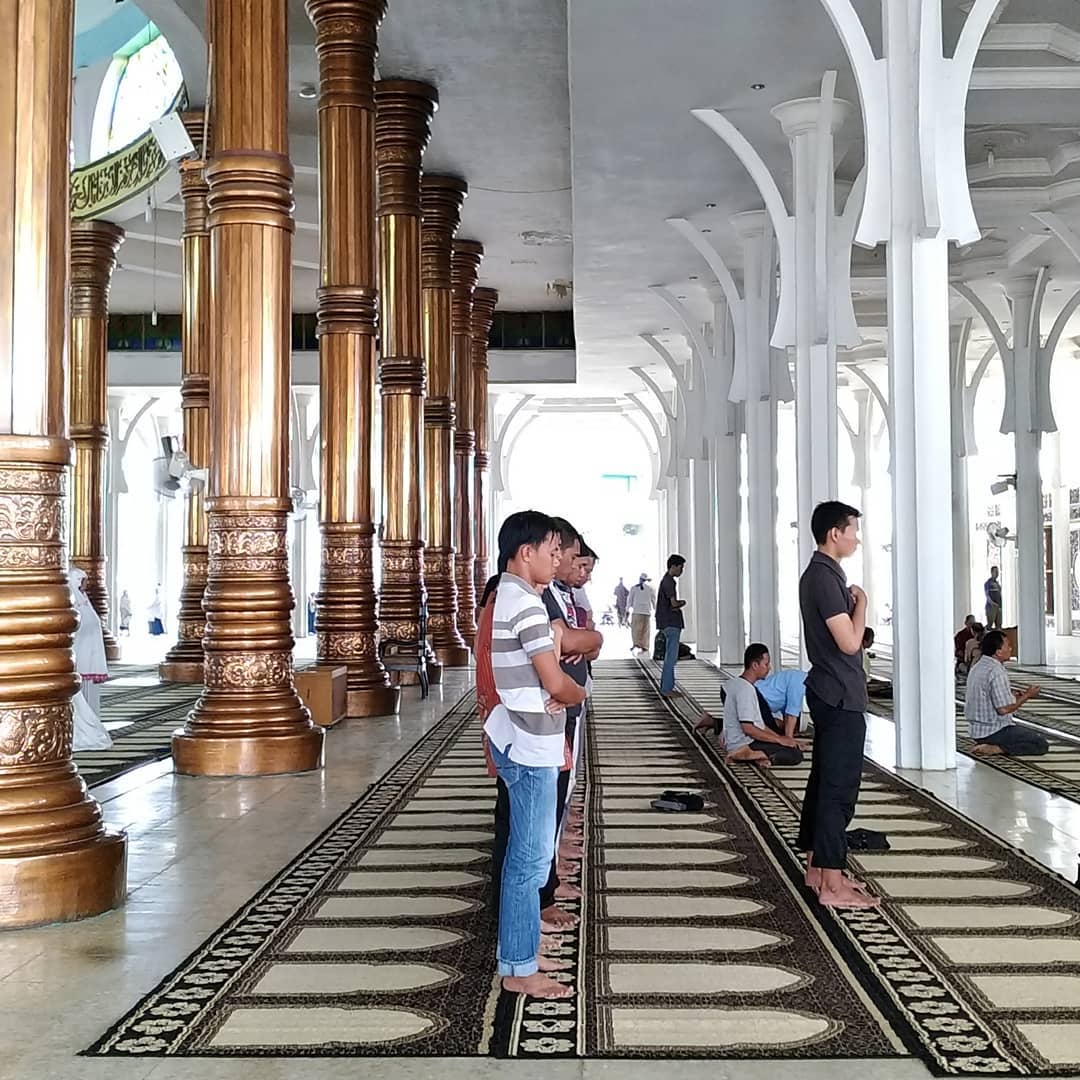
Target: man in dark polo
(834,618)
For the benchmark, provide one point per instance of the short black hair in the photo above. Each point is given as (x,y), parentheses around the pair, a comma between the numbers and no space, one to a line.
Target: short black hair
(675,560)
(868,636)
(586,551)
(754,653)
(489,588)
(567,533)
(526,528)
(831,515)
(991,642)
(977,628)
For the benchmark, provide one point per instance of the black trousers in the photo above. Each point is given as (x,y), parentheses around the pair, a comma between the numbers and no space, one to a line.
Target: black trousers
(1018,741)
(833,787)
(778,755)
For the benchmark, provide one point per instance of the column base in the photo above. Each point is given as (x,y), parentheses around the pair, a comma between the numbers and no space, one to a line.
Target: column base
(378,701)
(62,886)
(434,672)
(181,671)
(246,755)
(112,651)
(453,655)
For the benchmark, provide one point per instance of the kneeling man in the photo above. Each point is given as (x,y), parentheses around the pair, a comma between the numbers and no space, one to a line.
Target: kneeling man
(751,733)
(990,702)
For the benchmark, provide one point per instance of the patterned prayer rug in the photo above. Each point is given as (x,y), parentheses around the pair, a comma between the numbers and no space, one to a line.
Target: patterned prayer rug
(141,721)
(377,940)
(977,944)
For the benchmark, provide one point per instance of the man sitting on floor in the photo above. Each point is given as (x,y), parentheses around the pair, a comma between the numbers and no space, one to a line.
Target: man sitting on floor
(750,731)
(990,702)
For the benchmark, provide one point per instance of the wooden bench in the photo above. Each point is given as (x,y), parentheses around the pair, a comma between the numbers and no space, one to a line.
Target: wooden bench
(324,691)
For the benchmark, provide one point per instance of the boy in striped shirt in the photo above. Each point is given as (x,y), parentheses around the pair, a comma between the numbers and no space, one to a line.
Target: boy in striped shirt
(527,736)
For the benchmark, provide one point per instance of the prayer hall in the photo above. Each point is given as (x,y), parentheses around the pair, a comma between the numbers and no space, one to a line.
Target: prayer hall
(539,538)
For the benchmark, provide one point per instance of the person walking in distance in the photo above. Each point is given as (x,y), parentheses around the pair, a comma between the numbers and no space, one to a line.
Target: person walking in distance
(834,619)
(669,621)
(992,589)
(622,594)
(642,600)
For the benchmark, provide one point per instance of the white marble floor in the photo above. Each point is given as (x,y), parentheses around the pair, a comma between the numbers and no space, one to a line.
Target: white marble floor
(199,848)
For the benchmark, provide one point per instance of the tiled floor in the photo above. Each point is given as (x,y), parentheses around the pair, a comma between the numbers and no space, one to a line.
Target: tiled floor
(199,848)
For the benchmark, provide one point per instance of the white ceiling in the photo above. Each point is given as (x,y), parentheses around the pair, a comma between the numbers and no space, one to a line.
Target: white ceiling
(541,96)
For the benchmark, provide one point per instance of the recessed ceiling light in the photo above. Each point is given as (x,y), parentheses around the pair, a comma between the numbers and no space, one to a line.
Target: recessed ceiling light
(308,93)
(693,277)
(680,298)
(664,329)
(710,206)
(757,86)
(706,230)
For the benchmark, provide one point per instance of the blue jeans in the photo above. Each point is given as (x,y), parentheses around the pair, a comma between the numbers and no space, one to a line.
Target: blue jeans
(532,792)
(671,654)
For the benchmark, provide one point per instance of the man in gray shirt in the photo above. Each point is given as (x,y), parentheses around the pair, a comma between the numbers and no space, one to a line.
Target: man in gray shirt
(834,619)
(749,731)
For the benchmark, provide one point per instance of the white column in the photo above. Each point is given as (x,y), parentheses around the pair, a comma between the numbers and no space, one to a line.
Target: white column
(759,291)
(961,521)
(1031,573)
(864,477)
(725,416)
(1062,547)
(684,540)
(918,309)
(815,345)
(703,558)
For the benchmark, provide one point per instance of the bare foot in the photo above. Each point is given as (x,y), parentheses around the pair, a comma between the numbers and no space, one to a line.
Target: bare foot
(537,986)
(705,723)
(547,963)
(568,869)
(550,942)
(566,891)
(847,896)
(672,694)
(750,756)
(553,919)
(570,853)
(986,750)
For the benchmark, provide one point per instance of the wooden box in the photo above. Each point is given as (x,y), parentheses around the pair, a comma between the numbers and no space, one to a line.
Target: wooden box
(324,692)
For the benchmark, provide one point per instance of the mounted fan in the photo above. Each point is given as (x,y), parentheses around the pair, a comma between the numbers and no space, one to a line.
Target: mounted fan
(998,534)
(173,472)
(302,502)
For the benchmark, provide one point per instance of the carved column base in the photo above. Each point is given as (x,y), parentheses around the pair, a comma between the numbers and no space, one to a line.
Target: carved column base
(448,644)
(254,755)
(181,671)
(249,721)
(57,860)
(61,886)
(184,661)
(466,590)
(378,701)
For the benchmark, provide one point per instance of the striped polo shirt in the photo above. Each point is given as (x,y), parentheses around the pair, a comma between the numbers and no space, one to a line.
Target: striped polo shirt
(520,726)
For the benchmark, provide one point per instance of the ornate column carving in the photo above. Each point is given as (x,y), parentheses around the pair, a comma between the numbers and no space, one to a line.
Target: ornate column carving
(94,245)
(402,131)
(184,661)
(345,622)
(483,314)
(441,198)
(57,860)
(464,269)
(249,720)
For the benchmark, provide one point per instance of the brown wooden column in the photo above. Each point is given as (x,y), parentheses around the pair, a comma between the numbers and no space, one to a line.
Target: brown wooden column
(249,720)
(465,266)
(402,131)
(441,198)
(94,245)
(57,860)
(345,622)
(184,661)
(483,314)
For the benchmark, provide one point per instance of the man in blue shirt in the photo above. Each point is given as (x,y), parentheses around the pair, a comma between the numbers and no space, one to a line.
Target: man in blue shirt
(783,692)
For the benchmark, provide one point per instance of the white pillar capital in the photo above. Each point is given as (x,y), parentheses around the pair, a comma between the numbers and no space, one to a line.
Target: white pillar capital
(717,297)
(1020,286)
(750,224)
(800,116)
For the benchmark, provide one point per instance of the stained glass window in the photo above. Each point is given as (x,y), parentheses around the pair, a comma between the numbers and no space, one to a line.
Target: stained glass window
(142,84)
